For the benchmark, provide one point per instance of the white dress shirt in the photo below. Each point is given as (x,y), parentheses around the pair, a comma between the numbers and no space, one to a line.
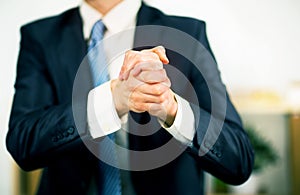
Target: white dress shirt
(102,115)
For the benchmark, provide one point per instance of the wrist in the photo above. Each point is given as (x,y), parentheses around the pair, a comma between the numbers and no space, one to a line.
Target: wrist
(171,111)
(120,107)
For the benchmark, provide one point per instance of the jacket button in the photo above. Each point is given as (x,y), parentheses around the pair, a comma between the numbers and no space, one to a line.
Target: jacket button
(206,144)
(70,130)
(54,139)
(214,151)
(219,155)
(59,136)
(65,134)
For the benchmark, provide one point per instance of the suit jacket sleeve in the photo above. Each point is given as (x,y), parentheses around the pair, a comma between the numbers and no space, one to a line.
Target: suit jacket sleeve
(221,146)
(40,129)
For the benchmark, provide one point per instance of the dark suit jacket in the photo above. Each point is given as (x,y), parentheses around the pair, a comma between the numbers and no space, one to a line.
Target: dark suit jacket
(42,132)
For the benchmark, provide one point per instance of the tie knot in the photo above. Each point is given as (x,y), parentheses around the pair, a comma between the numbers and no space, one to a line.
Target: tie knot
(97,33)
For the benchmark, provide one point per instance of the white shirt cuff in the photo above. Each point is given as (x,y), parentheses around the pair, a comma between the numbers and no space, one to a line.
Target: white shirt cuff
(102,116)
(183,127)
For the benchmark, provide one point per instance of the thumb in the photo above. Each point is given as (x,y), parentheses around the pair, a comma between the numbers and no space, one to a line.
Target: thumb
(161,52)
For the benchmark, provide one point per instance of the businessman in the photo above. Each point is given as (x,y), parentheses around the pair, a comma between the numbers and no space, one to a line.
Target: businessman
(153,95)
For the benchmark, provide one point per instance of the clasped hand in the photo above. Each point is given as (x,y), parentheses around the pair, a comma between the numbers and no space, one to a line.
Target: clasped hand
(143,85)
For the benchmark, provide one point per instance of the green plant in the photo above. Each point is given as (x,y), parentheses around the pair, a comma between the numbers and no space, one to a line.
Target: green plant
(265,154)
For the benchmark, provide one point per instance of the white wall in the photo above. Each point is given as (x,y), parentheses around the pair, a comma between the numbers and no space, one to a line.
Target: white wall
(256,43)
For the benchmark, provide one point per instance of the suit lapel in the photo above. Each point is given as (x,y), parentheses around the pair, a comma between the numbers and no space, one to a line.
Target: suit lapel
(147,16)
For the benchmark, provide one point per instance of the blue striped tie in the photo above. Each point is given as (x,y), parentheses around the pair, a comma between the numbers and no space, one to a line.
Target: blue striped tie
(110,182)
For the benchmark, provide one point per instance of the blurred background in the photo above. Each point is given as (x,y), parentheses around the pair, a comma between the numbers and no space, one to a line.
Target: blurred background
(256,44)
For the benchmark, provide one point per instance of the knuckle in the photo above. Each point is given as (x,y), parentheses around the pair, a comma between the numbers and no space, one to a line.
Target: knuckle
(161,73)
(139,59)
(168,82)
(157,90)
(135,107)
(161,98)
(161,48)
(154,55)
(133,97)
(131,87)
(140,106)
(128,53)
(159,65)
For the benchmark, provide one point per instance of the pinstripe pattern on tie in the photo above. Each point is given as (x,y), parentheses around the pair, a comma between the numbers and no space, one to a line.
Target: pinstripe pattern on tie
(110,182)
(96,55)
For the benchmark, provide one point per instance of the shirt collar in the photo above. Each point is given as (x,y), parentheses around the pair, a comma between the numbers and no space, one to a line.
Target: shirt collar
(121,17)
